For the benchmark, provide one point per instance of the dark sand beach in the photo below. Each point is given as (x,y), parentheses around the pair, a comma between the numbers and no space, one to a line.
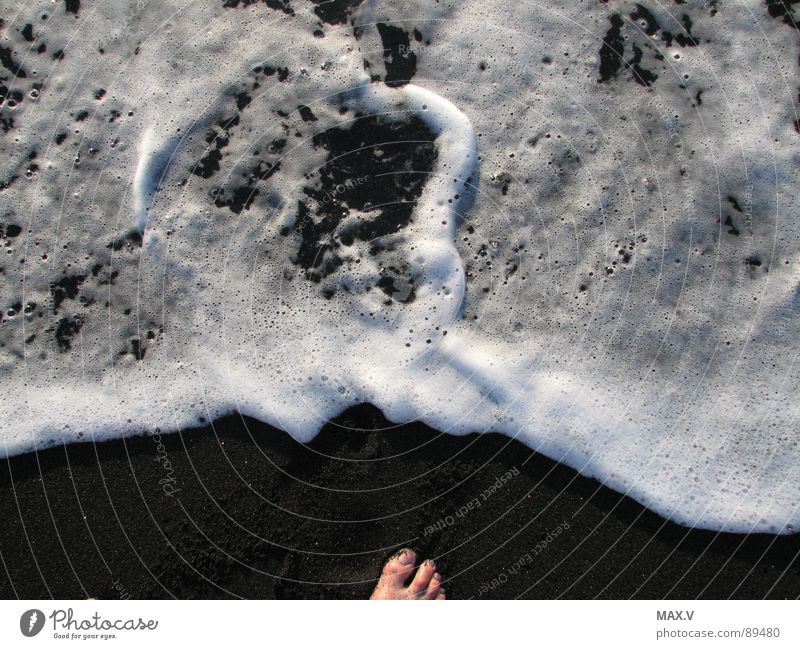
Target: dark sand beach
(239,509)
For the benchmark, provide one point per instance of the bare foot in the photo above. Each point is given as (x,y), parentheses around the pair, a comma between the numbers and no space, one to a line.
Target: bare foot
(426,584)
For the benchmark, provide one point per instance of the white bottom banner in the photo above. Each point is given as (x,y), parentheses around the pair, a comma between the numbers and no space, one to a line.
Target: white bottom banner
(398,624)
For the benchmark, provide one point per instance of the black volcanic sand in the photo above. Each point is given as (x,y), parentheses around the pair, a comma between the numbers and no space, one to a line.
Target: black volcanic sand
(252,513)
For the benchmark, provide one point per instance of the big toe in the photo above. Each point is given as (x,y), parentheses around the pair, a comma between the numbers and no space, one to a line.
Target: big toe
(396,572)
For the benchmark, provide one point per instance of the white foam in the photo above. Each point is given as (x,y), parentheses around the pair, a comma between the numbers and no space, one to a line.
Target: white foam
(621,326)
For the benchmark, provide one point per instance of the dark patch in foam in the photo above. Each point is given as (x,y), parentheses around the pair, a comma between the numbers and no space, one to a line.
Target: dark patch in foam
(783,9)
(12,230)
(14,97)
(641,76)
(276,146)
(698,98)
(376,167)
(335,12)
(283,73)
(306,114)
(65,288)
(7,183)
(138,349)
(612,58)
(278,5)
(399,58)
(684,39)
(132,239)
(735,204)
(753,261)
(262,171)
(238,199)
(65,330)
(612,49)
(209,163)
(397,284)
(243,100)
(8,62)
(648,21)
(733,229)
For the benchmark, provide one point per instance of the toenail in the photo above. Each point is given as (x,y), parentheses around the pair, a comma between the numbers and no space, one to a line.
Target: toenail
(405,557)
(437,576)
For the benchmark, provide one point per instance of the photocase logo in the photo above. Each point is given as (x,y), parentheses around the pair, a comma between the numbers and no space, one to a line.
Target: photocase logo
(31,622)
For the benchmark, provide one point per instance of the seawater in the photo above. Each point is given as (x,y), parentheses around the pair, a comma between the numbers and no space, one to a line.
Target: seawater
(576,224)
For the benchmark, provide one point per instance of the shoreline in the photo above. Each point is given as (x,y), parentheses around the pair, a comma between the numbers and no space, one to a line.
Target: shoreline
(240,509)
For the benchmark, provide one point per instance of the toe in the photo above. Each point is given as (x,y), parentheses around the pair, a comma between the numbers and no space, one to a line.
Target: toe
(441,594)
(422,579)
(397,569)
(434,587)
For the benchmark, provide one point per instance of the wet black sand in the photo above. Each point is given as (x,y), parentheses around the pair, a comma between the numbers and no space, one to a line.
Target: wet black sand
(254,514)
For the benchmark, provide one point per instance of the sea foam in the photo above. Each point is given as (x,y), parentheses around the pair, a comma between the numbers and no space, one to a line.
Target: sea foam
(576,225)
